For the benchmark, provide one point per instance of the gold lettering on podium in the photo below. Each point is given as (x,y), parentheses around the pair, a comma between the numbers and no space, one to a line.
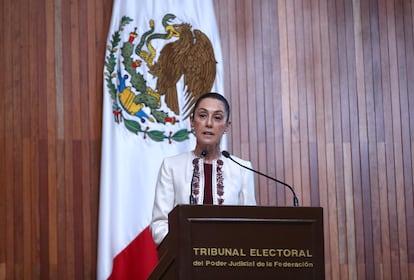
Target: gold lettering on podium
(253,252)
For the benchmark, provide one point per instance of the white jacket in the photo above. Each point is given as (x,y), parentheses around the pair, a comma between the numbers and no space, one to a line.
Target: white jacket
(174,186)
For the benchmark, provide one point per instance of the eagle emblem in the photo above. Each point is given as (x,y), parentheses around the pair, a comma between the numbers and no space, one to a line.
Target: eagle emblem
(186,55)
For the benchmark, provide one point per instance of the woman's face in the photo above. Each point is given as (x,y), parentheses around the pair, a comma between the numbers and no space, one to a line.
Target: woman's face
(209,121)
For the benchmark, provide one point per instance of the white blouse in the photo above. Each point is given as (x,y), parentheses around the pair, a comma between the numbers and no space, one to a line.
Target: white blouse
(231,185)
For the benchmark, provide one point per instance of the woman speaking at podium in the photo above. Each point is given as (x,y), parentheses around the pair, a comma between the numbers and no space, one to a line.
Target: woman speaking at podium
(204,175)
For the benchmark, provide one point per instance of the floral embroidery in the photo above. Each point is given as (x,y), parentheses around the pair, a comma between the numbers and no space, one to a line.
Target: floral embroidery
(196,181)
(220,185)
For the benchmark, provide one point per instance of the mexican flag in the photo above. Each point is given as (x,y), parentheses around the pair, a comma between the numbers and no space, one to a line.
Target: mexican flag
(161,55)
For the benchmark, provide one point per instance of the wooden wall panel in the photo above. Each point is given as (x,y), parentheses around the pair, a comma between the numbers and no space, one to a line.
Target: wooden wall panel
(333,107)
(322,98)
(52,56)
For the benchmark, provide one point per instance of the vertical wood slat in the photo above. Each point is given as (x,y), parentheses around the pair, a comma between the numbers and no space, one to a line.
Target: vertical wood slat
(284,82)
(26,170)
(321,94)
(409,147)
(71,132)
(3,190)
(232,79)
(394,140)
(60,134)
(257,71)
(242,79)
(302,115)
(249,117)
(404,158)
(51,97)
(16,122)
(89,131)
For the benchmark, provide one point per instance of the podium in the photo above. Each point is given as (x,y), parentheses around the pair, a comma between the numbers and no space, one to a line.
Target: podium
(242,242)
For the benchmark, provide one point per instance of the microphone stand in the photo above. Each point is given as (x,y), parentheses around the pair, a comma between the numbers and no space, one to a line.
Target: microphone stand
(295,198)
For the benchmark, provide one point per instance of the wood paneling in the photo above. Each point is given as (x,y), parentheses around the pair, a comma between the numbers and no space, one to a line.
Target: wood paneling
(322,98)
(52,55)
(329,84)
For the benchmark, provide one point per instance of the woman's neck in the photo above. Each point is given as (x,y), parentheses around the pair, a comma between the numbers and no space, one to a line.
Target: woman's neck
(211,155)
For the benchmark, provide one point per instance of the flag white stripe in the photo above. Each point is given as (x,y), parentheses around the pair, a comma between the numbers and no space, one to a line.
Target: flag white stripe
(130,163)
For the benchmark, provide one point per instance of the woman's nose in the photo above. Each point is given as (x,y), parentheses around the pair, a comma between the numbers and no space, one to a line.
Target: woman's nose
(209,122)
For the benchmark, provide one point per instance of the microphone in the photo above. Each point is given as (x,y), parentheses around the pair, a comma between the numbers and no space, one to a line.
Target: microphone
(295,198)
(195,163)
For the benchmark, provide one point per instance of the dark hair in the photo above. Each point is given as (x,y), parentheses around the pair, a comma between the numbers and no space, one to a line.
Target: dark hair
(217,96)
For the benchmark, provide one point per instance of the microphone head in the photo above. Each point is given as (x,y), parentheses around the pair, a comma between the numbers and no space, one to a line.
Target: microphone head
(225,154)
(204,153)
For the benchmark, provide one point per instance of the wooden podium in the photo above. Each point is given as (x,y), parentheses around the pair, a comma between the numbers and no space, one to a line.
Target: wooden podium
(242,242)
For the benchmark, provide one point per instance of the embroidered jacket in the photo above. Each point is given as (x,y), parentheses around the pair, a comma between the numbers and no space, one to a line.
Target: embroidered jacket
(231,185)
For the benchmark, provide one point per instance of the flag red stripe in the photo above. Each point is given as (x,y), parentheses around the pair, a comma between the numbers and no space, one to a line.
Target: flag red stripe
(137,260)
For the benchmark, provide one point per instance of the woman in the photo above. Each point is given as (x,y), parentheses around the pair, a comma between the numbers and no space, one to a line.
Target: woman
(202,176)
